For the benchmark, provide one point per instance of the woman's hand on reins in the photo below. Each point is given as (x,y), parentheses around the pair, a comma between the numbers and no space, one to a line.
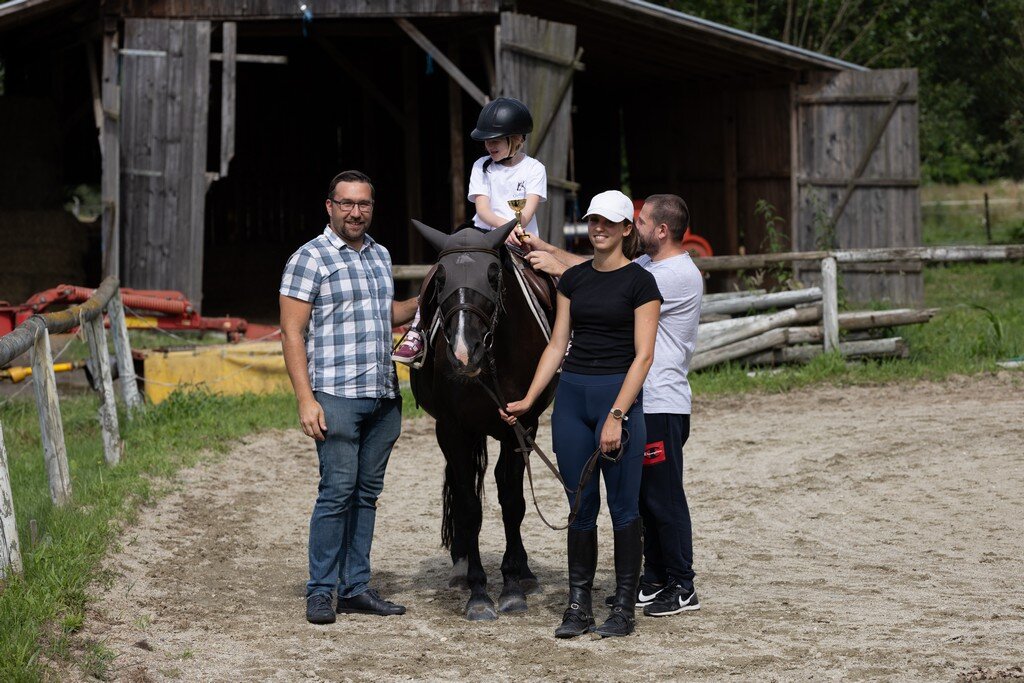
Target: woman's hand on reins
(611,435)
(513,410)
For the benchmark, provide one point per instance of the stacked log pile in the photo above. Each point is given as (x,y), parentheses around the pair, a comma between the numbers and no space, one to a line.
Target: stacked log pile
(737,327)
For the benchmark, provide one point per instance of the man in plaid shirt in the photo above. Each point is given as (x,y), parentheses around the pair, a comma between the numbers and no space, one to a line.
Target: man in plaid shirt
(337,311)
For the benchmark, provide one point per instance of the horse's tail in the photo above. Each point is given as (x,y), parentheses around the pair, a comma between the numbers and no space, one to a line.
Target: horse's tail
(478,457)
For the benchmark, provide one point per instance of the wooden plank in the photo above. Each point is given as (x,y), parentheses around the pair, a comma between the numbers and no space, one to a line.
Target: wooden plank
(411,149)
(51,427)
(575,64)
(729,169)
(540,84)
(830,304)
(10,549)
(457,172)
(878,98)
(860,182)
(123,350)
(739,349)
(229,31)
(563,89)
(442,61)
(110,180)
(94,87)
(894,347)
(764,301)
(287,10)
(719,296)
(96,335)
(241,58)
(708,339)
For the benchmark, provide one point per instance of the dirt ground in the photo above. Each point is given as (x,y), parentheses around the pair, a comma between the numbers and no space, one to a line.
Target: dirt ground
(840,533)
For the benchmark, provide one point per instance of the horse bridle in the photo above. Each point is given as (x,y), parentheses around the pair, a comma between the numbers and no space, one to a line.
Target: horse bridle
(491,320)
(527,444)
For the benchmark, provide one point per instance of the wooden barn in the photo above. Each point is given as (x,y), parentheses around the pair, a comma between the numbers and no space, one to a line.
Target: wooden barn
(212,128)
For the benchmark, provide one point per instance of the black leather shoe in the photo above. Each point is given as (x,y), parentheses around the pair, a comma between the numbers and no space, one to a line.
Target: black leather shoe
(369,602)
(319,609)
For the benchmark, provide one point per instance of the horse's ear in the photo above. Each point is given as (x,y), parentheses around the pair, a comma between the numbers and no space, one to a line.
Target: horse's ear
(495,238)
(434,238)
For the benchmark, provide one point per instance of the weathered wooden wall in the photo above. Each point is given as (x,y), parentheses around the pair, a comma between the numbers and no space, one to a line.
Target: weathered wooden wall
(858,143)
(289,9)
(165,100)
(541,84)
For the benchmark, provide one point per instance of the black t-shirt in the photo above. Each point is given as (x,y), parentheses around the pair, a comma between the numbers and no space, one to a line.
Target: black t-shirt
(602,306)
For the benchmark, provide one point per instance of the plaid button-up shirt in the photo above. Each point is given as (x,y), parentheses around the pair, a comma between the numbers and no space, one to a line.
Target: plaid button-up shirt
(348,342)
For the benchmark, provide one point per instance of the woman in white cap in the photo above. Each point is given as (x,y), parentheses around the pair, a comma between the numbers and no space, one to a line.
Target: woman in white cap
(610,307)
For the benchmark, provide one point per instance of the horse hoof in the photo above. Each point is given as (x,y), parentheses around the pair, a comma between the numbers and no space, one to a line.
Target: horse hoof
(530,585)
(512,602)
(480,609)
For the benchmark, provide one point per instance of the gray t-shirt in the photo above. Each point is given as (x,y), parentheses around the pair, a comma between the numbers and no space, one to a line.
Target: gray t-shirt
(667,389)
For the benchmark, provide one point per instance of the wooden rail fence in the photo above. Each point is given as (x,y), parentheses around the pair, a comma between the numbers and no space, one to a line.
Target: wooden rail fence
(34,335)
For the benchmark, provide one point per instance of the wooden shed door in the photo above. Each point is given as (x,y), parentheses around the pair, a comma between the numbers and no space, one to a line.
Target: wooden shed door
(537,60)
(164,109)
(857,174)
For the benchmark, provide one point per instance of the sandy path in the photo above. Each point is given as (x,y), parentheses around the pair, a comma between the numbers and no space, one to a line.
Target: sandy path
(853,533)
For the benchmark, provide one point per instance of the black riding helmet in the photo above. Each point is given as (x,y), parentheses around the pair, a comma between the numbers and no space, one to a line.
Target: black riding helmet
(501,118)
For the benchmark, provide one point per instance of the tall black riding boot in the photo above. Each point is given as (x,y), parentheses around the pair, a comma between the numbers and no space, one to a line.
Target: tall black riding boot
(579,616)
(629,555)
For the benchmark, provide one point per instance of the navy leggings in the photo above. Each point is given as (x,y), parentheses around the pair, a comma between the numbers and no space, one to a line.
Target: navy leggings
(582,403)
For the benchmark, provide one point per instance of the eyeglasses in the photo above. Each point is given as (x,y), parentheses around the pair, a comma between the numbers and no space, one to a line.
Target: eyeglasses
(347,205)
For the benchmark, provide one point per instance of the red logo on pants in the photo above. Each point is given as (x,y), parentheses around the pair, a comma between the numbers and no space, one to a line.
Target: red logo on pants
(654,453)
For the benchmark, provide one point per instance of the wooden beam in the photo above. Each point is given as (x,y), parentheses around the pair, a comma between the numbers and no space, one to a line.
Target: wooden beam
(563,89)
(764,301)
(250,59)
(51,428)
(10,550)
(229,46)
(856,99)
(709,338)
(729,172)
(575,64)
(830,304)
(859,182)
(362,80)
(123,351)
(96,335)
(457,174)
(442,61)
(411,149)
(97,95)
(110,135)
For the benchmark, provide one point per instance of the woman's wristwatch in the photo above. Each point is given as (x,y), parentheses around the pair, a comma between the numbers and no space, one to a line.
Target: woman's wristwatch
(618,414)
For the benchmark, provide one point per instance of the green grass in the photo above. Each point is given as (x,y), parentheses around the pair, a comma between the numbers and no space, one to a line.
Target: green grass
(40,610)
(981,322)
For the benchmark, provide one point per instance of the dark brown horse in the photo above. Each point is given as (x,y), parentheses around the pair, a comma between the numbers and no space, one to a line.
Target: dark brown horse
(487,344)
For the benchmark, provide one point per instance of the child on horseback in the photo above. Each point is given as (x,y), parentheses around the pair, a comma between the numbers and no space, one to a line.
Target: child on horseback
(505,174)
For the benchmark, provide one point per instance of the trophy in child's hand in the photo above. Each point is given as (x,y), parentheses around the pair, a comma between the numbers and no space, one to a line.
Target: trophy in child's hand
(517,205)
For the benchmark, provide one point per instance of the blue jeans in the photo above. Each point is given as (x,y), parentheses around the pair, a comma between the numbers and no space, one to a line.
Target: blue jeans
(582,403)
(360,434)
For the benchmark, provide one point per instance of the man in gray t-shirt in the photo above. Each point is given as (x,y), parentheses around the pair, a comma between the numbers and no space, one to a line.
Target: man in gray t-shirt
(667,587)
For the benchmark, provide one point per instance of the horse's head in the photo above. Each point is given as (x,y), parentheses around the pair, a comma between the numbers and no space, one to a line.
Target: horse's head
(468,286)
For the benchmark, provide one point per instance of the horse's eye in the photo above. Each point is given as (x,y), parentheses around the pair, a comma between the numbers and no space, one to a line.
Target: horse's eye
(439,278)
(492,275)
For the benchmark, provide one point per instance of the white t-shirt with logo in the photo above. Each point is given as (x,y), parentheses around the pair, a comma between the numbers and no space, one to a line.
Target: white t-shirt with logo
(501,183)
(667,389)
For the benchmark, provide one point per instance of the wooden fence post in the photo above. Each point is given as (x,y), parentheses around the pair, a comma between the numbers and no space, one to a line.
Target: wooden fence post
(50,425)
(830,304)
(123,350)
(97,336)
(10,553)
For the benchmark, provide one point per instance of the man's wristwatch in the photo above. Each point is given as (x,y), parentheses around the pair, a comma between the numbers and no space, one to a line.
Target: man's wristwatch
(618,414)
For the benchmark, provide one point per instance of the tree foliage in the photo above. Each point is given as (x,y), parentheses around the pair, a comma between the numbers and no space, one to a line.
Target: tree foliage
(969,53)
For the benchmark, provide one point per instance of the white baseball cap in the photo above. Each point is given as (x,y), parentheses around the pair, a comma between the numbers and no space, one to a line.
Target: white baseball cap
(611,204)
